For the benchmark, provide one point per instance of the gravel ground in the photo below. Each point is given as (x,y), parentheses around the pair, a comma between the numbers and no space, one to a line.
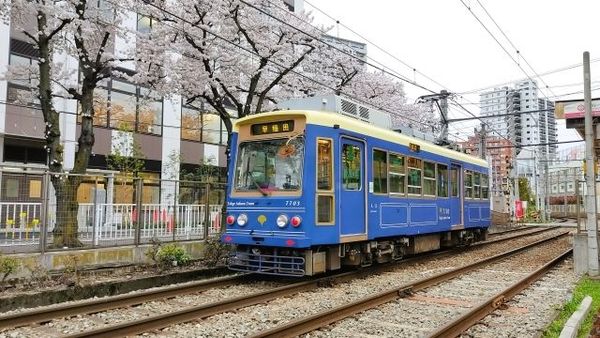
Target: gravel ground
(259,317)
(428,309)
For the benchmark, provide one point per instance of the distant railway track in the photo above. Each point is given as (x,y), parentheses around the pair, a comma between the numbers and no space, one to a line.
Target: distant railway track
(154,322)
(509,231)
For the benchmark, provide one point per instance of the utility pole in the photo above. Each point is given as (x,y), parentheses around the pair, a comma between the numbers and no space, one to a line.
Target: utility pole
(590,180)
(482,140)
(441,100)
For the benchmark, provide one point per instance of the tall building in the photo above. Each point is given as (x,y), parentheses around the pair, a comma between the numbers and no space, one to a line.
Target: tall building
(355,48)
(510,106)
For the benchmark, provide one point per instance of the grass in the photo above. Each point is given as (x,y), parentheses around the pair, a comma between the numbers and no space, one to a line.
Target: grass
(585,287)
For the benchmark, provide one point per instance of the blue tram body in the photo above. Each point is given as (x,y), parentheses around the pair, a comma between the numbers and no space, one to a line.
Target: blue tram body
(310,192)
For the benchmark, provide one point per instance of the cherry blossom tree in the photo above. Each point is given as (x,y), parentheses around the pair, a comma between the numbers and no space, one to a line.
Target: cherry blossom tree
(61,30)
(228,54)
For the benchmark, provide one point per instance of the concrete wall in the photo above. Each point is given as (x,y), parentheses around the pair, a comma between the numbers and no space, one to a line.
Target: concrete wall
(96,257)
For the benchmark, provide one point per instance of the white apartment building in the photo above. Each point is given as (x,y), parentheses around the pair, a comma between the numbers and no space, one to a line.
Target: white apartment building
(524,129)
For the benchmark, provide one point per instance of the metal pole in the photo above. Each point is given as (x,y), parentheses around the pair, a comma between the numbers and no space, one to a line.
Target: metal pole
(139,187)
(95,215)
(175,209)
(546,200)
(590,180)
(207,212)
(44,215)
(577,205)
(565,214)
(444,112)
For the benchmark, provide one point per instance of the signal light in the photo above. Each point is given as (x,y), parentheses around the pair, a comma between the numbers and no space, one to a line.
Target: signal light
(230,219)
(295,221)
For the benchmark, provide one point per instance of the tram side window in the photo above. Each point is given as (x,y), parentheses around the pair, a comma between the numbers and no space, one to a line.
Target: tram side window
(476,185)
(414,175)
(351,167)
(485,188)
(442,180)
(397,174)
(325,209)
(454,192)
(468,184)
(325,214)
(324,165)
(428,178)
(379,171)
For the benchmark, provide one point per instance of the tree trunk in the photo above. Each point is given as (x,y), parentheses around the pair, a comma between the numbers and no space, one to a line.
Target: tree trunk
(65,229)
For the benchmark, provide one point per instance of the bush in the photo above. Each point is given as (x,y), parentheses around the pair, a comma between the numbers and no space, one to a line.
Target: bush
(71,275)
(172,254)
(215,252)
(152,252)
(8,266)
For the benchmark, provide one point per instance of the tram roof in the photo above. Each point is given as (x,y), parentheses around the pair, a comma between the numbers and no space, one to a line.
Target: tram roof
(329,119)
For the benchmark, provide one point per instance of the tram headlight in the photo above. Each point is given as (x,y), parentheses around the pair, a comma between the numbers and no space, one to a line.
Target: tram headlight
(282,221)
(242,219)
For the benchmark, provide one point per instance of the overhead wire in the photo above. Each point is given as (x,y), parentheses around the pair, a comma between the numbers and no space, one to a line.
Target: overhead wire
(280,65)
(374,44)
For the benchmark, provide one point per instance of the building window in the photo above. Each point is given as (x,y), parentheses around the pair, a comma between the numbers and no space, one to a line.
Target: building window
(203,126)
(22,55)
(125,106)
(144,24)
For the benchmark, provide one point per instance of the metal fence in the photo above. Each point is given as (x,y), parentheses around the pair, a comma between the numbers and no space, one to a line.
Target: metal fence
(41,211)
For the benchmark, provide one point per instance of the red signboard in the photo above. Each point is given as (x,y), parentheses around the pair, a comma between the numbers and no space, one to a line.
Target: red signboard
(574,109)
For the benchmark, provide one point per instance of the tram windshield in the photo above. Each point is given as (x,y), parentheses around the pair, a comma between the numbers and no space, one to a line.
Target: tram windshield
(269,166)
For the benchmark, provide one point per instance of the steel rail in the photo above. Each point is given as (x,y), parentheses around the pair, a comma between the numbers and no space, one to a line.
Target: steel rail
(305,325)
(464,322)
(107,303)
(504,232)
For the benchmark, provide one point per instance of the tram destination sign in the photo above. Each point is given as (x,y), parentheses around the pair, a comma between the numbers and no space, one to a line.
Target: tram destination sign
(272,127)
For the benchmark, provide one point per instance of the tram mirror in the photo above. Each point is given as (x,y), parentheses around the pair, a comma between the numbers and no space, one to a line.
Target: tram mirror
(286,150)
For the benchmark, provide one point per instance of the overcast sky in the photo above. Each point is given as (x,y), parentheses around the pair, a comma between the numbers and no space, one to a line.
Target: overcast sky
(444,41)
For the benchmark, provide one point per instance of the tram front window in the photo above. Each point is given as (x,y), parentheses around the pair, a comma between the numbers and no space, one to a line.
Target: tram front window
(268,166)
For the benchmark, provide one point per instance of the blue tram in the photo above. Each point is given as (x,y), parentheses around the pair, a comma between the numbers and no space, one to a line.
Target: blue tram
(311,191)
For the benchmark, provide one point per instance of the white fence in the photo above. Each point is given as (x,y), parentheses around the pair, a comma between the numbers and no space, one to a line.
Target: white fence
(99,224)
(20,223)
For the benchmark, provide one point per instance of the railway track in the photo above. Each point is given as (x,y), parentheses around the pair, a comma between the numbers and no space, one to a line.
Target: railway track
(452,329)
(202,311)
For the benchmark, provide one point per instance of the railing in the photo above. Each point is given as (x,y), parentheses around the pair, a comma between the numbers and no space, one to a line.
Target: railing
(121,221)
(19,223)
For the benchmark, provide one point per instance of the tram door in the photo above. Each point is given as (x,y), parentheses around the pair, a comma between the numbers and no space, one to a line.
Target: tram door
(456,204)
(352,207)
